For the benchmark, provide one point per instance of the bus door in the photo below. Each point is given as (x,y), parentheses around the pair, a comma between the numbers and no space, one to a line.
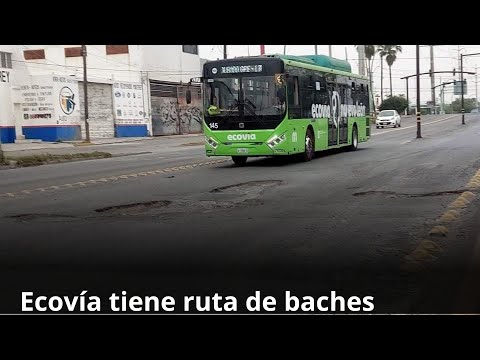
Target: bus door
(333,119)
(345,98)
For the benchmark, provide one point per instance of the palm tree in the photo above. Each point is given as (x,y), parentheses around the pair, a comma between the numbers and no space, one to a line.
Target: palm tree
(381,49)
(390,53)
(370,51)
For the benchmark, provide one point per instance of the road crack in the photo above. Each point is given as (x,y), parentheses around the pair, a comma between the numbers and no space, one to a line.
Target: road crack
(395,194)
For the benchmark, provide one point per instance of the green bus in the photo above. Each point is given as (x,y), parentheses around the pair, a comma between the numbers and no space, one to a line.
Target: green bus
(283,105)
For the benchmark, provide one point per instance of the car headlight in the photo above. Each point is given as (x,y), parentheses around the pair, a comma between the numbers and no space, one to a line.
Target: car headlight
(274,141)
(211,142)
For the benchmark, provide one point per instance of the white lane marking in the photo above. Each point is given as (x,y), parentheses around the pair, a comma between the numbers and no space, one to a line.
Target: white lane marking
(414,126)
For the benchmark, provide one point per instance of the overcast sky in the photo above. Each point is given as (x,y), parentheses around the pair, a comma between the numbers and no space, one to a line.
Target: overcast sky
(445,59)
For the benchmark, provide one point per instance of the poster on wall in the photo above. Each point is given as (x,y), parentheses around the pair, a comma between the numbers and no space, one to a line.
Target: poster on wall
(128,103)
(50,100)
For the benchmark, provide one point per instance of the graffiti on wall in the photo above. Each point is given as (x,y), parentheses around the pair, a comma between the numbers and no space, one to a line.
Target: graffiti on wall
(169,117)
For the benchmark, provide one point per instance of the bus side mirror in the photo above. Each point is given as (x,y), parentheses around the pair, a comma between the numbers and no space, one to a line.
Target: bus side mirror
(188,96)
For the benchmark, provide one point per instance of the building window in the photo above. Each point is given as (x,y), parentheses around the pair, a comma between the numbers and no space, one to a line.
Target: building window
(34,54)
(190,49)
(73,51)
(116,49)
(5,60)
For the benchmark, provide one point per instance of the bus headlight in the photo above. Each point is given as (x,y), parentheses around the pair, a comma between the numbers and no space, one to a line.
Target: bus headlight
(211,142)
(274,141)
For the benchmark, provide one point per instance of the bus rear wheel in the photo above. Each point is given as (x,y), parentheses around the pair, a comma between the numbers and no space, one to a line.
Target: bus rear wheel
(239,160)
(354,145)
(309,153)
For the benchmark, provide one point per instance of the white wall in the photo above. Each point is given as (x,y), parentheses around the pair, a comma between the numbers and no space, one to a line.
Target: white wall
(101,68)
(8,92)
(163,62)
(169,63)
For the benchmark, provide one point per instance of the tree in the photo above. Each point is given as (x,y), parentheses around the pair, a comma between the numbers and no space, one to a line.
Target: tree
(381,51)
(398,103)
(456,105)
(390,54)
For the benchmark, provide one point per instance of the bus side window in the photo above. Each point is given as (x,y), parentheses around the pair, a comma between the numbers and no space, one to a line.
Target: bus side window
(293,97)
(296,91)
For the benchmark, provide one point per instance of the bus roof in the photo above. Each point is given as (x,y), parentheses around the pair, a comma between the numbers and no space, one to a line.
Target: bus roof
(321,63)
(314,62)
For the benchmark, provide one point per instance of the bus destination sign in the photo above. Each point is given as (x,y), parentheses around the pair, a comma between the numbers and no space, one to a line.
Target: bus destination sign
(241,69)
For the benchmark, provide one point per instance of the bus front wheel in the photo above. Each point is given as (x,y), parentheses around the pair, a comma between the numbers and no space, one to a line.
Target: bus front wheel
(354,145)
(309,146)
(239,160)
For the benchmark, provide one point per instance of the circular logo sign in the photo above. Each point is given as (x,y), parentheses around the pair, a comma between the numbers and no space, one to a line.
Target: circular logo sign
(214,71)
(118,94)
(67,103)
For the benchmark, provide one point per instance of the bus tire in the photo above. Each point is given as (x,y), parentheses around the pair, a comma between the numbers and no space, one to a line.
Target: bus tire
(239,160)
(354,145)
(309,152)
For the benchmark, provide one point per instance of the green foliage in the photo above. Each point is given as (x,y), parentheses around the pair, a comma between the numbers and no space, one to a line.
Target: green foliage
(33,160)
(398,103)
(456,105)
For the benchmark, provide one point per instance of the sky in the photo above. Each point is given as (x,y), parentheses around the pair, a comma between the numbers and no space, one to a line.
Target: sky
(446,58)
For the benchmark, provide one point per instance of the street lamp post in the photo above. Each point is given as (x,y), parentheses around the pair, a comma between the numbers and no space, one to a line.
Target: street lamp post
(461,80)
(408,101)
(461,83)
(419,126)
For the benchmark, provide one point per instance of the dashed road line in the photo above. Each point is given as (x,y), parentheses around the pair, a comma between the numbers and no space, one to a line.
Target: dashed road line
(111,179)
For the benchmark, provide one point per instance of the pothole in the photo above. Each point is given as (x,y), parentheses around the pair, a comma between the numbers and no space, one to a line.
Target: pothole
(134,207)
(247,186)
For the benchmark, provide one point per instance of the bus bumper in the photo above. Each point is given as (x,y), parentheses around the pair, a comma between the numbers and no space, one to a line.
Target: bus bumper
(239,149)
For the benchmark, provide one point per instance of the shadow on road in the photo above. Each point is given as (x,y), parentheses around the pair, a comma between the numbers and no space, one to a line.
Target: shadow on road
(278,161)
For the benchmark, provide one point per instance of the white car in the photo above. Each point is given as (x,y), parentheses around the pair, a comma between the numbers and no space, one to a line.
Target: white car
(388,118)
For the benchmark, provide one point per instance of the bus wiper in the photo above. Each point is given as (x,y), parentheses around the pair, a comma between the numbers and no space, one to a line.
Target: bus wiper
(248,105)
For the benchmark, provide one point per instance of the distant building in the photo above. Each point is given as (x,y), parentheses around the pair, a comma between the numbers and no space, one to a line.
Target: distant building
(134,90)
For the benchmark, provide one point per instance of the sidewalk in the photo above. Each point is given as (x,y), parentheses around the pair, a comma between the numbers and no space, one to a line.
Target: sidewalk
(115,146)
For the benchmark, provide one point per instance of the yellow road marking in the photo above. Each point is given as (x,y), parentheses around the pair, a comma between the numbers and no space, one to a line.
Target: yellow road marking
(438,231)
(425,250)
(449,216)
(115,178)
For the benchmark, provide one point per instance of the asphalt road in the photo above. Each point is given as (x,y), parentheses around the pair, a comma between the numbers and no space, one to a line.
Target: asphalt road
(169,221)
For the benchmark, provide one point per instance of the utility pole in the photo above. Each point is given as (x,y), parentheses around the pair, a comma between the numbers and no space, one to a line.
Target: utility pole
(459,64)
(476,88)
(316,49)
(442,89)
(432,77)
(381,78)
(85,92)
(330,50)
(408,100)
(461,83)
(361,59)
(262,49)
(419,128)
(284,49)
(224,51)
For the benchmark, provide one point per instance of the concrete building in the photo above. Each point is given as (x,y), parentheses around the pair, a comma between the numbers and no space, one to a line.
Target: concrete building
(133,90)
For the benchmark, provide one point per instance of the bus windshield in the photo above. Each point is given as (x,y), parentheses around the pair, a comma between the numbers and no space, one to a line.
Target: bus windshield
(244,96)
